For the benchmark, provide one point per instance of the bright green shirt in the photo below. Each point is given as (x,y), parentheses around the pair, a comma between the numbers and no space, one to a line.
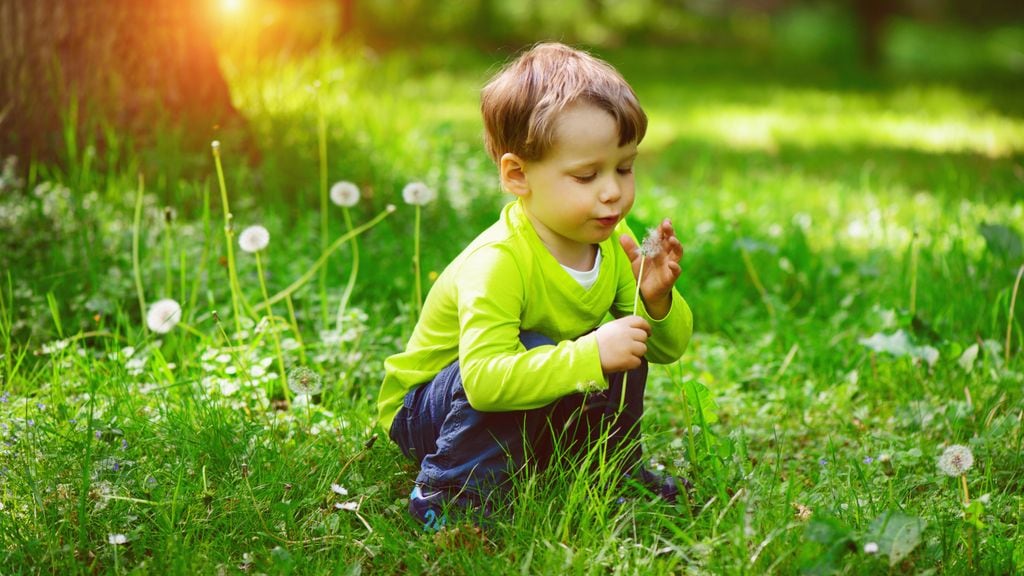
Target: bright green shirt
(506,282)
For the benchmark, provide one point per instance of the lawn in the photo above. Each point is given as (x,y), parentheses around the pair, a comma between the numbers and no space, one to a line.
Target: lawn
(852,247)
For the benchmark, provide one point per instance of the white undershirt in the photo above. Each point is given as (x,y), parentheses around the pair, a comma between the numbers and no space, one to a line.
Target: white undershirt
(589,277)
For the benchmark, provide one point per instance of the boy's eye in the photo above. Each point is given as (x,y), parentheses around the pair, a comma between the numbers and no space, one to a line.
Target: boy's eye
(625,171)
(585,178)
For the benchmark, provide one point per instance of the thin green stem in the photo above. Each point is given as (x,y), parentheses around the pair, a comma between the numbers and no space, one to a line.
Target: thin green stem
(343,305)
(136,268)
(1009,320)
(913,275)
(418,295)
(295,329)
(273,330)
(752,272)
(636,305)
(228,236)
(321,134)
(322,259)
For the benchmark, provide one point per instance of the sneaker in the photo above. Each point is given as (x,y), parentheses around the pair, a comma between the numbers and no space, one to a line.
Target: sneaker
(436,509)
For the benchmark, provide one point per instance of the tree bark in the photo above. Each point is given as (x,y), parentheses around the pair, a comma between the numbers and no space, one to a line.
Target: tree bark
(124,65)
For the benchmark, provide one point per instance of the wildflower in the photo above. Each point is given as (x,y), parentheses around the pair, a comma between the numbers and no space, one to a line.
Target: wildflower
(822,462)
(163,316)
(345,194)
(351,506)
(871,548)
(5,397)
(651,246)
(304,381)
(117,539)
(418,194)
(868,459)
(254,238)
(956,460)
(339,489)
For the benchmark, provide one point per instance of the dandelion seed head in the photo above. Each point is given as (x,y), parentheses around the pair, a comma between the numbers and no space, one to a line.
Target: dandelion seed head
(215,145)
(345,194)
(956,460)
(339,489)
(304,381)
(117,539)
(651,246)
(163,316)
(254,238)
(871,548)
(418,194)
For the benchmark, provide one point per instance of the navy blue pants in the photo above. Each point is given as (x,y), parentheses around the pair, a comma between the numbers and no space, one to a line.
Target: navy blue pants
(459,447)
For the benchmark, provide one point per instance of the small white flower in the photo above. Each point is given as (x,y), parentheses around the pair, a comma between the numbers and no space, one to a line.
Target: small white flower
(351,506)
(871,548)
(117,539)
(956,460)
(215,144)
(345,194)
(254,238)
(418,194)
(390,208)
(651,245)
(163,316)
(339,489)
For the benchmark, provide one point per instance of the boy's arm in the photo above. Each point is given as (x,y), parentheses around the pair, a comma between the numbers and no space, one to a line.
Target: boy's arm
(498,372)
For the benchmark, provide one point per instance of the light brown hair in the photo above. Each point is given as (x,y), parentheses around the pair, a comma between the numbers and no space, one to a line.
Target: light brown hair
(521,103)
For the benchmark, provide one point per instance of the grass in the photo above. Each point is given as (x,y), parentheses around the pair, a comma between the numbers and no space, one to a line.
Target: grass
(823,216)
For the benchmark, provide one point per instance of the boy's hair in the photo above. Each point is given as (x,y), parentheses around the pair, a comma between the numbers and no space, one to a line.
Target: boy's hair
(520,105)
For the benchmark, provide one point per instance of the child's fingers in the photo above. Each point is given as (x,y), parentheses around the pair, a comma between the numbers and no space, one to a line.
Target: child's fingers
(630,246)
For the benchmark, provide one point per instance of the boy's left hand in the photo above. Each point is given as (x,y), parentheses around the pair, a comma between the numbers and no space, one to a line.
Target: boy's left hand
(660,271)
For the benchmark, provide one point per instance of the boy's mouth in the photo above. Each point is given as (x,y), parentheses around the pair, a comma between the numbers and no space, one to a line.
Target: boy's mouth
(609,221)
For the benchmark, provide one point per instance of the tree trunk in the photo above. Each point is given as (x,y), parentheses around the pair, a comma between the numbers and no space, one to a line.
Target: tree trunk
(123,64)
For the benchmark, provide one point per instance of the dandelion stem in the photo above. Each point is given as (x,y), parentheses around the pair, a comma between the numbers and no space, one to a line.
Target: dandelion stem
(295,329)
(343,305)
(752,272)
(321,260)
(963,484)
(321,135)
(418,295)
(639,278)
(228,234)
(913,275)
(272,329)
(1009,320)
(136,268)
(636,304)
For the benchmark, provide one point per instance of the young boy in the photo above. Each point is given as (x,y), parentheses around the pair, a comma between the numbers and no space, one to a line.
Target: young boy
(510,349)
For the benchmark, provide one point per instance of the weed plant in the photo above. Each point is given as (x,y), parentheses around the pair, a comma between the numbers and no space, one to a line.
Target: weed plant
(851,251)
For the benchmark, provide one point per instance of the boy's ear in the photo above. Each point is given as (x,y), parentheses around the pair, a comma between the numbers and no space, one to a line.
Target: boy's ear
(513,174)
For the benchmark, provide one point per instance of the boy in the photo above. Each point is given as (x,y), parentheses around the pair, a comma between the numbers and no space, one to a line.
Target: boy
(510,347)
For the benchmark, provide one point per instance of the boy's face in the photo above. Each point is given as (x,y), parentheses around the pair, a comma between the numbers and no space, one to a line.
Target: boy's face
(582,188)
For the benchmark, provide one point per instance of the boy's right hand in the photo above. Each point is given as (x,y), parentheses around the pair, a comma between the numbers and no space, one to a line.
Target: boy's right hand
(622,343)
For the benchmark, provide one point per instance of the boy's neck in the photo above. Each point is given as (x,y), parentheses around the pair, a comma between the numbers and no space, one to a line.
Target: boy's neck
(573,255)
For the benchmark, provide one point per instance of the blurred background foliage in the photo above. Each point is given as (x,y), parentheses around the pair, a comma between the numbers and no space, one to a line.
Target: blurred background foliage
(116,70)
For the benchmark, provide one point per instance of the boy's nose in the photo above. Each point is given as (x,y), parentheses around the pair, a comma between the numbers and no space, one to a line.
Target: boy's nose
(611,191)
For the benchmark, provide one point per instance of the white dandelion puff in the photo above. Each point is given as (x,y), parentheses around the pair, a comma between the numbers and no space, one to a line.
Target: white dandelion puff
(304,381)
(418,194)
(163,316)
(215,145)
(871,548)
(956,460)
(254,238)
(339,489)
(117,539)
(651,245)
(345,194)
